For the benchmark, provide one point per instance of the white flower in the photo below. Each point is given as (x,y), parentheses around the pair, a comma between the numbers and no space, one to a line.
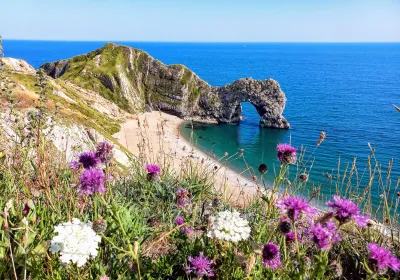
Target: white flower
(76,241)
(229,226)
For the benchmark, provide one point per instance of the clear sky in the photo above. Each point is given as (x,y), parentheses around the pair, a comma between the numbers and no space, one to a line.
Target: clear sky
(202,20)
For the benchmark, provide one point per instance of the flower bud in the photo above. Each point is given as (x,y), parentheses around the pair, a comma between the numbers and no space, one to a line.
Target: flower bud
(304,177)
(321,138)
(284,226)
(262,168)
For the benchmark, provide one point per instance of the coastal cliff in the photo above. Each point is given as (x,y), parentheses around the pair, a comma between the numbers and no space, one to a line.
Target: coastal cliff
(79,118)
(137,82)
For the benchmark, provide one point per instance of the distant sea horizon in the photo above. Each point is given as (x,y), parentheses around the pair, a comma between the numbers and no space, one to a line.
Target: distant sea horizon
(346,89)
(207,42)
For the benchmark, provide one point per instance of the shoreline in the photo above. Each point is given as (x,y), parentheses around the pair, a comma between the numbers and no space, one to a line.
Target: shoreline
(155,136)
(229,172)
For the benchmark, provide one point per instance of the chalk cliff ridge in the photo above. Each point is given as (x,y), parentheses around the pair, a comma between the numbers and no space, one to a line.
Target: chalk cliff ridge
(136,82)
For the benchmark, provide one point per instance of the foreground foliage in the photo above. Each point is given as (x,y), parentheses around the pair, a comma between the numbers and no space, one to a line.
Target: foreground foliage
(136,227)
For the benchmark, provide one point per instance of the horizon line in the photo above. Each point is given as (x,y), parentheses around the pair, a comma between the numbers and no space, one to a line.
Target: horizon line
(208,42)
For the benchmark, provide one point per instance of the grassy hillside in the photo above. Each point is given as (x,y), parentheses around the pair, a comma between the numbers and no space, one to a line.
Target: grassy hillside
(73,106)
(132,79)
(83,71)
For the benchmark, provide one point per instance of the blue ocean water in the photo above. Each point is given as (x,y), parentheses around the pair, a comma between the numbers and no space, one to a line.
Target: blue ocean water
(347,90)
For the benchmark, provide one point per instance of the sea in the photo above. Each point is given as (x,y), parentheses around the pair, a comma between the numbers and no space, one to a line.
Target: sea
(346,90)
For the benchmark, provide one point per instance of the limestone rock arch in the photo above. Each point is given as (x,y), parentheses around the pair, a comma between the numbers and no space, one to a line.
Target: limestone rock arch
(266,96)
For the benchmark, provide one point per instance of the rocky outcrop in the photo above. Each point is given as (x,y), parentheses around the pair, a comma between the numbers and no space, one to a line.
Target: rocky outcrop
(17,65)
(56,69)
(135,81)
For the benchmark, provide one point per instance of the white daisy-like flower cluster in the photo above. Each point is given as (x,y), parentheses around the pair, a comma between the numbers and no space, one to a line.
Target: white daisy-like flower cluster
(76,241)
(229,226)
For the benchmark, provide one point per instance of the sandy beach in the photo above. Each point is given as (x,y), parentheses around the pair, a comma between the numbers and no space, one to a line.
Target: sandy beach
(155,138)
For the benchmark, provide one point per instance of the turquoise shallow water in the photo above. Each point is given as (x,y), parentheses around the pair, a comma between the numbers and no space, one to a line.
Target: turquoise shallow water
(345,89)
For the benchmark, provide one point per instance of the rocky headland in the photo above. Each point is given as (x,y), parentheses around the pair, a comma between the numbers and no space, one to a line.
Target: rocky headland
(137,82)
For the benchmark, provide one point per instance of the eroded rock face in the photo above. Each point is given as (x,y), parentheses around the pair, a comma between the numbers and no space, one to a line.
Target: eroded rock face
(56,69)
(137,82)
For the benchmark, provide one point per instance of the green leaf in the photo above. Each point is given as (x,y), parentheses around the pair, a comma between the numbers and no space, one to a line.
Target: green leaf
(25,242)
(121,255)
(2,253)
(40,249)
(265,198)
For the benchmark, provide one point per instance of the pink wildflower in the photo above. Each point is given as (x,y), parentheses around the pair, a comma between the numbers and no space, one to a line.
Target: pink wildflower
(286,153)
(270,256)
(383,258)
(294,206)
(201,266)
(346,210)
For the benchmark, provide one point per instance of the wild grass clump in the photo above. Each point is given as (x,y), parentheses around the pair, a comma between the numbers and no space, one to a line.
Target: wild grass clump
(88,219)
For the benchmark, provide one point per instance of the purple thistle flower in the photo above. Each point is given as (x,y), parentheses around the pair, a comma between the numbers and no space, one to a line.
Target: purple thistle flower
(294,206)
(270,256)
(324,236)
(183,198)
(88,159)
(181,202)
(104,151)
(188,230)
(286,153)
(92,180)
(383,258)
(74,165)
(181,193)
(201,266)
(104,277)
(179,221)
(291,236)
(346,210)
(153,170)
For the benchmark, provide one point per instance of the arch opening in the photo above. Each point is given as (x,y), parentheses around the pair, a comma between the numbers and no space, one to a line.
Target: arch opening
(249,114)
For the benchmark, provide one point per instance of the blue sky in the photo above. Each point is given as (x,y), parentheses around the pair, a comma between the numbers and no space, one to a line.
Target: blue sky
(203,20)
